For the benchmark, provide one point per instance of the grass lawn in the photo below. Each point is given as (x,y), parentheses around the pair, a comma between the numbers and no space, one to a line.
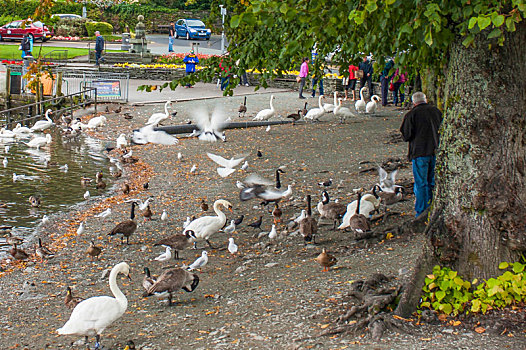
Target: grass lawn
(11,52)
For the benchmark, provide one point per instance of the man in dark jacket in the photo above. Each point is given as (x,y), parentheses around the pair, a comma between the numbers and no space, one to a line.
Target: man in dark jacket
(420,129)
(367,68)
(99,47)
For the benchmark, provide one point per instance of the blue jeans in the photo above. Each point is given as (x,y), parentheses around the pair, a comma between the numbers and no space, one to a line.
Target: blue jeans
(424,174)
(396,91)
(170,44)
(97,57)
(320,83)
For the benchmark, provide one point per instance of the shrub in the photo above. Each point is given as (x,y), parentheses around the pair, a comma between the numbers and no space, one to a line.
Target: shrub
(71,27)
(102,27)
(4,19)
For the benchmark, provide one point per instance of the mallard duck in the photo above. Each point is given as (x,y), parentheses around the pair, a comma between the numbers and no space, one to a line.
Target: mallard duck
(204,206)
(85,181)
(326,260)
(276,213)
(125,189)
(331,211)
(100,184)
(70,300)
(172,280)
(147,213)
(18,254)
(206,226)
(43,252)
(178,241)
(34,201)
(308,226)
(130,345)
(116,174)
(94,251)
(126,228)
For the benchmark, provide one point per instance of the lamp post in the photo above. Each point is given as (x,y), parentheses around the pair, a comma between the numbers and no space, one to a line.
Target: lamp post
(223,14)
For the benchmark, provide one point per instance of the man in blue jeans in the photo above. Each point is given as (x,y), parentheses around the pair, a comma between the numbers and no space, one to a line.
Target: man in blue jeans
(420,129)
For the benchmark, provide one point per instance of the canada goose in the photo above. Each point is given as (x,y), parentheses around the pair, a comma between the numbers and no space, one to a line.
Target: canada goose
(304,111)
(205,226)
(257,223)
(332,211)
(178,241)
(308,226)
(148,281)
(126,228)
(266,114)
(93,251)
(295,116)
(43,252)
(276,213)
(147,213)
(18,254)
(278,182)
(388,198)
(243,108)
(70,300)
(172,280)
(359,222)
(326,260)
(256,186)
(34,201)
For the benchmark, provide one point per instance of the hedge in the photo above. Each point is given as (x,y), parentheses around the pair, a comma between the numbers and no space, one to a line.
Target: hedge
(103,27)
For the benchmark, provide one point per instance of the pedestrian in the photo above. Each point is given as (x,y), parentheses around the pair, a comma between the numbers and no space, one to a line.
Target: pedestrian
(398,80)
(317,80)
(26,46)
(367,69)
(350,82)
(99,47)
(420,129)
(244,79)
(304,72)
(225,76)
(385,79)
(171,37)
(190,61)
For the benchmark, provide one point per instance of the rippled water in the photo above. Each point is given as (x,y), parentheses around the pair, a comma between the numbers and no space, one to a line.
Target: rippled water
(44,175)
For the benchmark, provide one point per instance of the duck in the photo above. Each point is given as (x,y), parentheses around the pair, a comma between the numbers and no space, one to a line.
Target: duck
(199,262)
(326,260)
(130,345)
(178,241)
(266,114)
(332,211)
(126,228)
(157,118)
(71,301)
(167,255)
(94,251)
(147,213)
(147,280)
(40,141)
(100,184)
(243,108)
(85,181)
(308,226)
(388,198)
(43,252)
(13,240)
(93,315)
(96,122)
(360,104)
(342,112)
(359,222)
(21,130)
(116,174)
(34,201)
(18,254)
(371,105)
(172,280)
(204,206)
(125,188)
(329,107)
(276,213)
(315,113)
(205,226)
(42,125)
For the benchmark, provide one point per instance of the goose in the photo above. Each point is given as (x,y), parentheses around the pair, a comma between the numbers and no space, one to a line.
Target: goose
(93,251)
(206,226)
(278,182)
(40,141)
(308,226)
(315,113)
(167,255)
(342,112)
(232,247)
(42,125)
(157,118)
(371,105)
(7,134)
(326,260)
(91,316)
(172,280)
(71,301)
(359,222)
(148,281)
(13,240)
(21,130)
(18,254)
(329,107)
(96,122)
(331,211)
(295,116)
(367,206)
(121,141)
(210,126)
(43,252)
(260,188)
(243,108)
(388,198)
(304,111)
(360,104)
(266,114)
(177,241)
(387,180)
(126,228)
(199,262)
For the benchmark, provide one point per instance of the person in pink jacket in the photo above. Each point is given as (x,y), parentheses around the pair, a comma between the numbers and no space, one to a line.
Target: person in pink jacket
(304,72)
(399,79)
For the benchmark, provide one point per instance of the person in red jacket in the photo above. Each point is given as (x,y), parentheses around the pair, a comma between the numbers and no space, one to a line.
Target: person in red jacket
(350,83)
(225,77)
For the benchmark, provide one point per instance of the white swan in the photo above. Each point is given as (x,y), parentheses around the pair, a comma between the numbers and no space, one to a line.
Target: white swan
(342,112)
(19,129)
(206,226)
(315,113)
(266,114)
(95,122)
(366,207)
(121,141)
(91,316)
(360,104)
(157,118)
(40,141)
(210,126)
(42,125)
(8,134)
(371,105)
(329,107)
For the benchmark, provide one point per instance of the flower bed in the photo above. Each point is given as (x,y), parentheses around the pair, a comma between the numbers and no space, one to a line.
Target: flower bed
(21,62)
(177,58)
(83,38)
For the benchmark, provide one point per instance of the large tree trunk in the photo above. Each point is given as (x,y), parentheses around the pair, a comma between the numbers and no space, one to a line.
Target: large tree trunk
(478,217)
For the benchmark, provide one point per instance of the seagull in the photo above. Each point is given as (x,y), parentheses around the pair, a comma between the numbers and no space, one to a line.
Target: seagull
(7,148)
(273,233)
(227,165)
(80,230)
(86,195)
(240,185)
(104,214)
(167,255)
(179,156)
(232,247)
(5,162)
(200,262)
(164,216)
(302,216)
(210,126)
(267,129)
(192,170)
(45,220)
(230,228)
(244,166)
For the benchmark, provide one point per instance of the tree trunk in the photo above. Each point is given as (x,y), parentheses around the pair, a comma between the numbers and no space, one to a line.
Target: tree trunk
(478,216)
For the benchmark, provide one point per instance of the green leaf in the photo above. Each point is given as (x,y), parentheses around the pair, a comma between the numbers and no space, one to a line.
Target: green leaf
(483,22)
(452,274)
(498,20)
(459,281)
(406,28)
(503,265)
(429,38)
(371,6)
(469,40)
(510,24)
(446,308)
(235,20)
(390,2)
(472,22)
(440,295)
(518,267)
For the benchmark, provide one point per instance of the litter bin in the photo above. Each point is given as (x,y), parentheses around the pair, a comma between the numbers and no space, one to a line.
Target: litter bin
(125,45)
(16,81)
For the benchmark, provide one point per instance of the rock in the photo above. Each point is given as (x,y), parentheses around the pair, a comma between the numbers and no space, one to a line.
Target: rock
(241,269)
(271,264)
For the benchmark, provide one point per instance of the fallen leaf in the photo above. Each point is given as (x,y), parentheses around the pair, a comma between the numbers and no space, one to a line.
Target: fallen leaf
(480,330)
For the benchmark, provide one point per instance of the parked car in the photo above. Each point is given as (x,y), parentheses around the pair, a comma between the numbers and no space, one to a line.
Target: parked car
(191,29)
(66,16)
(15,31)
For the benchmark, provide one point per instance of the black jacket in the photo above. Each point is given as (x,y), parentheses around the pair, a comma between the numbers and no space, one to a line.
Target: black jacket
(26,44)
(420,129)
(367,68)
(99,43)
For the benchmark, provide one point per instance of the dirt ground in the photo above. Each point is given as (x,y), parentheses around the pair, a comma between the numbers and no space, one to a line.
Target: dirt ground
(273,295)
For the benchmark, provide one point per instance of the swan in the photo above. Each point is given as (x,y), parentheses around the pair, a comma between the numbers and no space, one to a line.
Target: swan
(147,134)
(315,113)
(8,134)
(91,316)
(121,141)
(366,207)
(371,105)
(206,226)
(156,118)
(329,107)
(342,112)
(38,142)
(95,122)
(19,129)
(360,104)
(266,114)
(42,125)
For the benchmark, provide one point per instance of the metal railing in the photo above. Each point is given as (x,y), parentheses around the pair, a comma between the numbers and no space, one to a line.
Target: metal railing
(29,113)
(56,55)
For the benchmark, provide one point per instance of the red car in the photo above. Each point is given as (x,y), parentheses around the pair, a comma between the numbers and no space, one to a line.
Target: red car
(15,31)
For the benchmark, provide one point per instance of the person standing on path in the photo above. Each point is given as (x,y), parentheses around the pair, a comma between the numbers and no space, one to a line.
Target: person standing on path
(171,37)
(367,69)
(420,128)
(350,83)
(385,78)
(399,79)
(190,61)
(26,46)
(99,47)
(304,72)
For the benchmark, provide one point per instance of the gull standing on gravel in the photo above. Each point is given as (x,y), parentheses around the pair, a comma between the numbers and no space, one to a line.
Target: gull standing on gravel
(245,165)
(81,229)
(230,228)
(121,141)
(104,214)
(45,220)
(232,247)
(86,195)
(5,162)
(164,216)
(167,255)
(192,170)
(273,234)
(179,156)
(200,262)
